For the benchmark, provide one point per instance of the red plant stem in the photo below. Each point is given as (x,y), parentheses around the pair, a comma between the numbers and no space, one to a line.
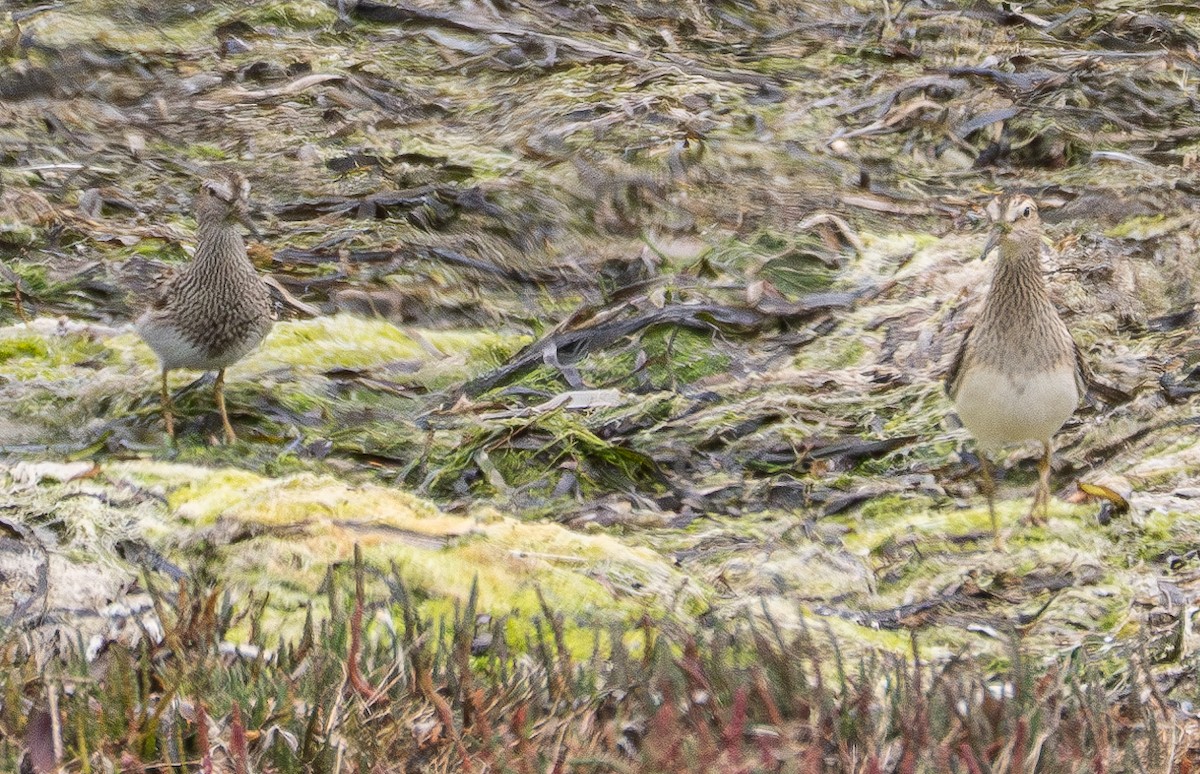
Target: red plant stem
(237,742)
(357,681)
(732,735)
(967,755)
(1016,763)
(206,762)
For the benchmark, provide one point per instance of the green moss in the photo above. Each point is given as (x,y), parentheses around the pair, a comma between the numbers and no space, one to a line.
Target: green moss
(1161,533)
(15,232)
(346,341)
(15,347)
(674,357)
(28,355)
(540,379)
(794,263)
(206,494)
(486,162)
(849,355)
(802,269)
(297,14)
(842,352)
(533,450)
(901,580)
(889,506)
(1116,614)
(883,252)
(293,528)
(65,27)
(203,151)
(338,342)
(898,642)
(1156,526)
(889,518)
(304,399)
(34,276)
(1142,227)
(685,356)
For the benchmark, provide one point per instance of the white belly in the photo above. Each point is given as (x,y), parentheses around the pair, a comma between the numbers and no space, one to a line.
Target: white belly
(176,351)
(999,410)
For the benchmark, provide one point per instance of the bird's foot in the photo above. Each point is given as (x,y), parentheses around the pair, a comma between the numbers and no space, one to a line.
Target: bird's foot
(1039,512)
(219,394)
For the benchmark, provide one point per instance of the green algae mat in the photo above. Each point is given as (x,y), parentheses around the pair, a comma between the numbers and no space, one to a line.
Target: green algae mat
(611,339)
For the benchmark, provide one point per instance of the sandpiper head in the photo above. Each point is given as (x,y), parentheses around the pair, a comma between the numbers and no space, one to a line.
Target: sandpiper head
(1016,223)
(224,197)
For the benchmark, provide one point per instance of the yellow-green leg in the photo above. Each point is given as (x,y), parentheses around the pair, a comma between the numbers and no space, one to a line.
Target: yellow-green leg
(988,485)
(167,408)
(219,394)
(1039,512)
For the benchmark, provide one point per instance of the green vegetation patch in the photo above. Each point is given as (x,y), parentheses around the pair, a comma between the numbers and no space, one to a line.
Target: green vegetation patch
(27,354)
(346,341)
(297,14)
(536,451)
(280,536)
(1142,227)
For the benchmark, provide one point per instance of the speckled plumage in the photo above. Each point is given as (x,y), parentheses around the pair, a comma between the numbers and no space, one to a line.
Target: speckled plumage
(1018,375)
(214,310)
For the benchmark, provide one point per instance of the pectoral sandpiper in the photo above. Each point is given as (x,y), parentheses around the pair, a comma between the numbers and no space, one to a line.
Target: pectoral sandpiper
(1018,374)
(214,310)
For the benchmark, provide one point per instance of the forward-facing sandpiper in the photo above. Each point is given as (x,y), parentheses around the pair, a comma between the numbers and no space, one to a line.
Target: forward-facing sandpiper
(1018,375)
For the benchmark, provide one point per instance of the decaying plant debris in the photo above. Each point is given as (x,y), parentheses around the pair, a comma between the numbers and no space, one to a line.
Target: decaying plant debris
(459,698)
(623,311)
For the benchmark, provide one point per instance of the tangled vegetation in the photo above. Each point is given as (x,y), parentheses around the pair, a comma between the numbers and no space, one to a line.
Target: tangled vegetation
(357,692)
(612,339)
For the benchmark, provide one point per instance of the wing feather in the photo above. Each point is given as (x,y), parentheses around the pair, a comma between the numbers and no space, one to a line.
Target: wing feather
(1083,372)
(954,375)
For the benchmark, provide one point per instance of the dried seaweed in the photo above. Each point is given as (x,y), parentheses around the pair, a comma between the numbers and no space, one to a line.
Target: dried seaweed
(606,326)
(750,228)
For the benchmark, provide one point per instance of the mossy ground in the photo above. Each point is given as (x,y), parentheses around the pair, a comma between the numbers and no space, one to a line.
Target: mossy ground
(534,171)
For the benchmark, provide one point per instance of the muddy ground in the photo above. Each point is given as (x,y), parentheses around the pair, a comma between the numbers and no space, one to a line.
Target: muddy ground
(642,304)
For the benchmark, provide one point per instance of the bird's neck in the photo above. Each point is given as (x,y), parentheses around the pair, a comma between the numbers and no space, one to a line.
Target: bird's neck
(219,243)
(1018,285)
